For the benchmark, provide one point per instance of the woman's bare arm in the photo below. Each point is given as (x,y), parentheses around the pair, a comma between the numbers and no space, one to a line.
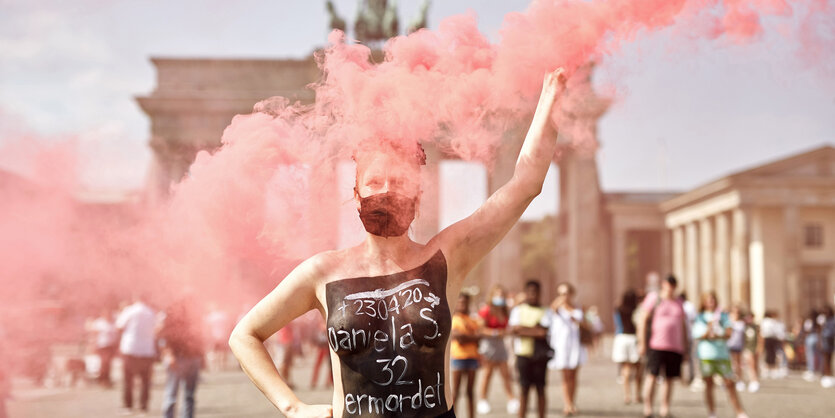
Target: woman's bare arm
(294,296)
(469,240)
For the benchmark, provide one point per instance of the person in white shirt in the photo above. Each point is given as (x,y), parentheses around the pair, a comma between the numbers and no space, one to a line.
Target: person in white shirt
(569,353)
(138,349)
(773,332)
(106,342)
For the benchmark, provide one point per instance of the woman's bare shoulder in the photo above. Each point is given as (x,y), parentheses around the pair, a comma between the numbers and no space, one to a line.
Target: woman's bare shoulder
(328,265)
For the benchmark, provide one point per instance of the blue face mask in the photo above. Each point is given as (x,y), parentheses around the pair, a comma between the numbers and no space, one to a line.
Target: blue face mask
(498,301)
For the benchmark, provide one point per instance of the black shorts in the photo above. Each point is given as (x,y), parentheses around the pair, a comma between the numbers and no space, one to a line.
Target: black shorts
(772,345)
(531,372)
(669,361)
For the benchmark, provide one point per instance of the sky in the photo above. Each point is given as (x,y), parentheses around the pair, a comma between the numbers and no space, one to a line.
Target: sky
(684,112)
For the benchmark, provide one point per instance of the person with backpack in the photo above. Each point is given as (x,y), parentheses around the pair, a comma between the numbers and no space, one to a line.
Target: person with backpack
(662,337)
(529,323)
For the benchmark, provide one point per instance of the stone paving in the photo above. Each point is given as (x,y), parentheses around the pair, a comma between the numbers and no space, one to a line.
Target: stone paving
(229,394)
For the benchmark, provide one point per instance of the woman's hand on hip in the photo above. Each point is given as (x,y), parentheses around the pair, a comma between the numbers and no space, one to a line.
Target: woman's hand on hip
(312,411)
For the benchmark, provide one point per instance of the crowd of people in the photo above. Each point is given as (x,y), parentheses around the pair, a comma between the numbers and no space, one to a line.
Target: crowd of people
(658,337)
(656,334)
(184,337)
(544,336)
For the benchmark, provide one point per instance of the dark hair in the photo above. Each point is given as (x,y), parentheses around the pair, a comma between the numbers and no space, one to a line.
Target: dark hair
(533,283)
(629,300)
(672,280)
(628,305)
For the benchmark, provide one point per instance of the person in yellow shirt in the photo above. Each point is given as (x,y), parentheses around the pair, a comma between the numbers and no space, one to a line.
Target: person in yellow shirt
(529,322)
(464,351)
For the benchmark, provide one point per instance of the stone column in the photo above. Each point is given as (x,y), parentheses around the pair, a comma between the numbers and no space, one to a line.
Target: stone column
(619,260)
(740,280)
(666,263)
(758,276)
(503,264)
(791,262)
(722,259)
(706,263)
(691,269)
(678,252)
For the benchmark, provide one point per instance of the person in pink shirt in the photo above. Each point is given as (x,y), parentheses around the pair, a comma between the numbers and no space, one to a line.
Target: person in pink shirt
(662,337)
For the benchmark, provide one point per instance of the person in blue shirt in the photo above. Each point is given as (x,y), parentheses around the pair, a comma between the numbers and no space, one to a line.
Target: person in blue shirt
(712,329)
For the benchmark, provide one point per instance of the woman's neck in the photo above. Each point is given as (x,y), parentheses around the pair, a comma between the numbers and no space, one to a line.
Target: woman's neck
(392,248)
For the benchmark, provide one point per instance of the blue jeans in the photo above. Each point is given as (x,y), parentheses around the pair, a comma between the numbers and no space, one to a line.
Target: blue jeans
(812,353)
(185,371)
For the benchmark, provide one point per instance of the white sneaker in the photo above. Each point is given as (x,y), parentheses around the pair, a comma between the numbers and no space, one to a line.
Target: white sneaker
(753,387)
(513,406)
(698,385)
(483,407)
(808,376)
(740,386)
(827,382)
(125,412)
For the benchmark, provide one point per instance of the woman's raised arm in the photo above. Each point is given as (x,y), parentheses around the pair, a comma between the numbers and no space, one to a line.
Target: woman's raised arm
(466,242)
(294,296)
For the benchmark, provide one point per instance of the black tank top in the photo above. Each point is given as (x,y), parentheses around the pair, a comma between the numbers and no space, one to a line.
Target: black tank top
(390,333)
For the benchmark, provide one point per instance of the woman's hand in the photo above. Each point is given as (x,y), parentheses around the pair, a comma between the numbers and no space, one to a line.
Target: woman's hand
(467,241)
(311,411)
(554,84)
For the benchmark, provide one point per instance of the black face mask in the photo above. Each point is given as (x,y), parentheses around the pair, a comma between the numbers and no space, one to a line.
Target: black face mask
(387,214)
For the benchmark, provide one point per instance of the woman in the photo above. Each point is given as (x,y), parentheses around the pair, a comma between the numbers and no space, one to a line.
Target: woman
(625,346)
(385,301)
(827,323)
(464,351)
(569,354)
(493,350)
(712,329)
(811,329)
(736,344)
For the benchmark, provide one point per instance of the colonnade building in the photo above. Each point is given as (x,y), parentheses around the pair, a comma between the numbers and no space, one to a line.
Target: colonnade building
(764,237)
